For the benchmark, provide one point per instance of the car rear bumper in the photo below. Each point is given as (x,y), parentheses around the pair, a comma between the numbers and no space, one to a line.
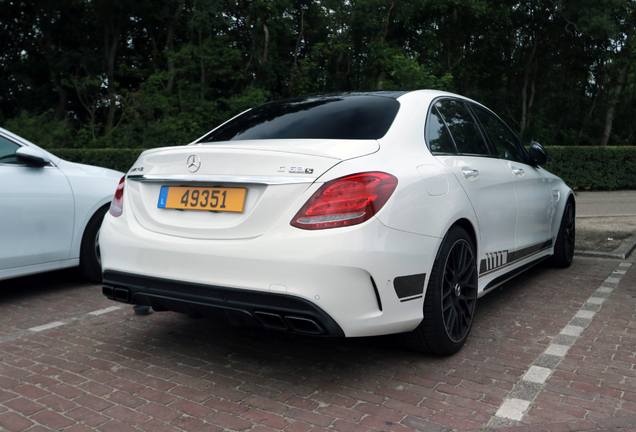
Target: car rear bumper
(241,307)
(357,281)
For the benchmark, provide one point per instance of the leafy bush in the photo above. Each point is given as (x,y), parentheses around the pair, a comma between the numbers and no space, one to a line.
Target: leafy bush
(42,129)
(599,168)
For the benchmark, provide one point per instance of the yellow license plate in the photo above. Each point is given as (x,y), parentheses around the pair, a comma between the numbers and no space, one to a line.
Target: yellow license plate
(202,198)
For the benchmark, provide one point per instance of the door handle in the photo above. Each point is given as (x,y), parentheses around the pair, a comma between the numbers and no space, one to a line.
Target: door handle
(518,172)
(470,173)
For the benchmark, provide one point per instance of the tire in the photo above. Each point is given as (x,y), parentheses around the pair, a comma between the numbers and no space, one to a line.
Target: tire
(566,238)
(451,298)
(90,257)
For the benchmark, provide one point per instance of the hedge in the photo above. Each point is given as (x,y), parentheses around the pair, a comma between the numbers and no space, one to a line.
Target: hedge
(597,168)
(117,159)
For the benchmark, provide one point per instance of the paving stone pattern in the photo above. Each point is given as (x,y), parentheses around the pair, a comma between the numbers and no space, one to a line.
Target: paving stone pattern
(70,361)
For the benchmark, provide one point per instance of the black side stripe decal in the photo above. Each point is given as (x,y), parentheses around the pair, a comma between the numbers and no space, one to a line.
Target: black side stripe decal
(497,260)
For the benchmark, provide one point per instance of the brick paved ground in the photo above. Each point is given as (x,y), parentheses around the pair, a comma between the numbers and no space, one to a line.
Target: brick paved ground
(65,369)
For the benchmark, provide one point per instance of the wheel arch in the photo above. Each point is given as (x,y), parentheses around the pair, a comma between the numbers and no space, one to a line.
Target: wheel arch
(560,211)
(571,198)
(565,235)
(82,222)
(468,226)
(89,256)
(91,216)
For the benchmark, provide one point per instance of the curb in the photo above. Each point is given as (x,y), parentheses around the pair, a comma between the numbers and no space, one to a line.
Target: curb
(605,216)
(621,252)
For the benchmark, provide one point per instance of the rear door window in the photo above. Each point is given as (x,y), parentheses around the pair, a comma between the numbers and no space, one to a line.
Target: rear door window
(463,128)
(437,135)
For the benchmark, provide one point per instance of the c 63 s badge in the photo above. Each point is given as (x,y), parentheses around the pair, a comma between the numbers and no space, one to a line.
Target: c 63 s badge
(297,170)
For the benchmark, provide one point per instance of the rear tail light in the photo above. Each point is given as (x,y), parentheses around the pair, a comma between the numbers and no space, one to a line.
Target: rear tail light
(117,204)
(346,201)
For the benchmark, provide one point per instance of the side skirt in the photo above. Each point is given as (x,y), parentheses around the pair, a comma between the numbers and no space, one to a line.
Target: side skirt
(506,277)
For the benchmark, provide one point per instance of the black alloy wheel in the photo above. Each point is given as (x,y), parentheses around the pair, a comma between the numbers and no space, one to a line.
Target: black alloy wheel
(451,298)
(570,231)
(459,291)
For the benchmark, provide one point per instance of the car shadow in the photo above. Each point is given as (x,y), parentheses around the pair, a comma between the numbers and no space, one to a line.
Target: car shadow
(216,338)
(48,282)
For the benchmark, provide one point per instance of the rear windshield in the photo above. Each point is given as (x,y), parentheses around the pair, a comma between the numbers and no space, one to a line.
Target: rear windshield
(358,117)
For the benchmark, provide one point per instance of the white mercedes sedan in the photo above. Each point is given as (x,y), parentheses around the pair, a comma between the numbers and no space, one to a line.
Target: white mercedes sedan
(339,215)
(50,210)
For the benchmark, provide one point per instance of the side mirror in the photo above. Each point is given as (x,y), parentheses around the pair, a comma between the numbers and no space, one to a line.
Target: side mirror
(32,157)
(538,154)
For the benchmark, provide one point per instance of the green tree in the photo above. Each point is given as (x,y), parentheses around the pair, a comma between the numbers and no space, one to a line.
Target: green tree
(149,73)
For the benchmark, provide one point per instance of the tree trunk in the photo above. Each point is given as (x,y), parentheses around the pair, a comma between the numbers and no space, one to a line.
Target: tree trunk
(111,45)
(599,90)
(300,37)
(381,75)
(62,93)
(266,47)
(262,59)
(609,116)
(526,106)
(202,66)
(154,50)
(170,44)
(296,49)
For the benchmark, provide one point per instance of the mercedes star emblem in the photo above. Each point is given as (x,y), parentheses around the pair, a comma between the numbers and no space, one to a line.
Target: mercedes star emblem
(193,163)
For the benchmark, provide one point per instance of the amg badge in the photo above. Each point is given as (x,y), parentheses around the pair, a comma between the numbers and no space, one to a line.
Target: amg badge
(297,170)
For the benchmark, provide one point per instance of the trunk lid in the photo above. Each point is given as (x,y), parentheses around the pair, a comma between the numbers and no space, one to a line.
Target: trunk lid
(273,174)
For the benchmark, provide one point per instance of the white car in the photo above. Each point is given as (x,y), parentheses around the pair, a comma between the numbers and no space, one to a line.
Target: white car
(50,210)
(339,215)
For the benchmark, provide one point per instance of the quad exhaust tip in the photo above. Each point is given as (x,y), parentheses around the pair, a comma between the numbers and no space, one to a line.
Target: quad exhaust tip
(296,324)
(270,320)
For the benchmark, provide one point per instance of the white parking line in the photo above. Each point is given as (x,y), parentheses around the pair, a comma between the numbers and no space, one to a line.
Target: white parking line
(557,350)
(595,300)
(513,409)
(47,326)
(537,374)
(55,324)
(586,314)
(571,330)
(518,401)
(103,311)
